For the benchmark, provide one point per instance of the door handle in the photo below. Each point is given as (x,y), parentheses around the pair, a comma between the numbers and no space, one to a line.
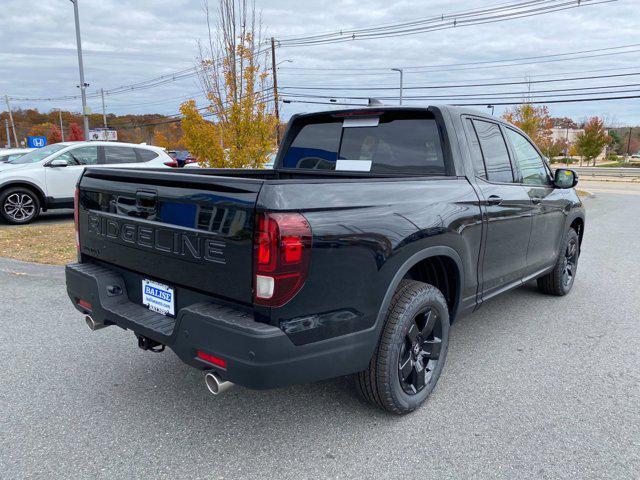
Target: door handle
(494,200)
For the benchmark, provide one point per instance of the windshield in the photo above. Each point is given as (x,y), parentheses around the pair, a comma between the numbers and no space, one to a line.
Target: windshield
(37,155)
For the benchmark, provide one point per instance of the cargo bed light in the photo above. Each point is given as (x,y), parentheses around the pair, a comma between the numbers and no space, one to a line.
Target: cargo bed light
(212,359)
(282,254)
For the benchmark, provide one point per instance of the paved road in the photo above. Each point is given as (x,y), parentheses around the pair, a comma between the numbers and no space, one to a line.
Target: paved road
(534,387)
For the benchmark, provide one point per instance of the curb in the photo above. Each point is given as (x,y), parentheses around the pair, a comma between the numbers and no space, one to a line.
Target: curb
(585,193)
(18,267)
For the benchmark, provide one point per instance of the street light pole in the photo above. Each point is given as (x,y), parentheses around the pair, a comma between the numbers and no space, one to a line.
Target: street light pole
(61,127)
(274,70)
(13,125)
(6,127)
(491,107)
(401,71)
(104,111)
(83,85)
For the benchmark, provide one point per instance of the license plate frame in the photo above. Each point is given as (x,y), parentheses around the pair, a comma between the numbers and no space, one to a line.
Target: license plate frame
(159,297)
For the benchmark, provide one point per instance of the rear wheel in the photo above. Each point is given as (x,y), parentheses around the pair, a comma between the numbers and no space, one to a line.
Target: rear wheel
(560,280)
(19,205)
(410,355)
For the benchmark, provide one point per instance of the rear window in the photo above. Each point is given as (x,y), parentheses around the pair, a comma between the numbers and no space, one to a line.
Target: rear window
(393,143)
(146,155)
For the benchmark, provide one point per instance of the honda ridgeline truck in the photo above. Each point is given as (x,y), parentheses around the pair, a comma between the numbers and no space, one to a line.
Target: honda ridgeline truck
(376,229)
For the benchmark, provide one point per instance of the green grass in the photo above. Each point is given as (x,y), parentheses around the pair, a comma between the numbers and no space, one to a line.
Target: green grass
(621,164)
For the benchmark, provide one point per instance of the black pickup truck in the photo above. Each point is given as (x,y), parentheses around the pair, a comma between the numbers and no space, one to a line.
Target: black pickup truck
(375,230)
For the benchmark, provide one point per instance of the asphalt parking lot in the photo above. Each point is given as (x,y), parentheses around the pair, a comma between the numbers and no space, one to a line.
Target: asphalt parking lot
(534,387)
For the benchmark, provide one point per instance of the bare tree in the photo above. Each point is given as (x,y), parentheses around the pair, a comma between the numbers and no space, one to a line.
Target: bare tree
(236,84)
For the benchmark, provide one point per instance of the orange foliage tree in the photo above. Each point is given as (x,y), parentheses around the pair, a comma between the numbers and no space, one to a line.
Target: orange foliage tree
(535,122)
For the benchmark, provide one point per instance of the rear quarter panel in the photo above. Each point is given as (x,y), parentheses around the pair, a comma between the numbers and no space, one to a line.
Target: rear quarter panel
(363,233)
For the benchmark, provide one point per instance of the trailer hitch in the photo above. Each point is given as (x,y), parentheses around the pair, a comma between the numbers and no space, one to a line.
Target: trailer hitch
(147,344)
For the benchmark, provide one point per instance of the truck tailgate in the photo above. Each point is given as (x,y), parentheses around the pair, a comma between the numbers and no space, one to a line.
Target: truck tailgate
(194,231)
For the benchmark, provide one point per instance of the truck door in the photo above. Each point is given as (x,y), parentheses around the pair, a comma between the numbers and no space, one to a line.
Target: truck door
(506,206)
(548,203)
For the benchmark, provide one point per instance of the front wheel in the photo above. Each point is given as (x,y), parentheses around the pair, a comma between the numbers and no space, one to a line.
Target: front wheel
(19,205)
(560,280)
(411,352)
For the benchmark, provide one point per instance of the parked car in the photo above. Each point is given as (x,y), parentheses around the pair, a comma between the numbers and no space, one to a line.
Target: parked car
(8,154)
(376,229)
(635,155)
(46,177)
(181,158)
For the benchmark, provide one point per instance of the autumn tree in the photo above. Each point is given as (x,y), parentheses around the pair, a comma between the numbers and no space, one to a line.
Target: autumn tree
(534,121)
(592,140)
(241,133)
(76,133)
(49,130)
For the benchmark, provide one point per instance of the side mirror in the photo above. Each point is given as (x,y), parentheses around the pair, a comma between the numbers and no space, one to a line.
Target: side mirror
(565,178)
(58,162)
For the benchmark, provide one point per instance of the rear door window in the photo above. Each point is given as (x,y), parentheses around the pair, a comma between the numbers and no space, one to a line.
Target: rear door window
(394,143)
(118,155)
(494,152)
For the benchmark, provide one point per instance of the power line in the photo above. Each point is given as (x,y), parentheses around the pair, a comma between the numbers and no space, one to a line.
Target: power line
(437,86)
(577,100)
(576,91)
(471,17)
(442,65)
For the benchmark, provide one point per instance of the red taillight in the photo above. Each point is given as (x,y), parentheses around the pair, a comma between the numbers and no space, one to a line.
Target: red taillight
(172,164)
(282,255)
(76,212)
(212,359)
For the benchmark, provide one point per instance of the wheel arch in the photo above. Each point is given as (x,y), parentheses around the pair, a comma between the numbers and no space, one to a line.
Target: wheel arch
(578,225)
(413,264)
(31,186)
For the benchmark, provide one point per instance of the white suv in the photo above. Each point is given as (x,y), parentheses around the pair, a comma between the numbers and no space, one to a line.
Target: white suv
(46,178)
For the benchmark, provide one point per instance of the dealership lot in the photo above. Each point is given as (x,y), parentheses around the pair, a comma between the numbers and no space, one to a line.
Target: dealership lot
(534,387)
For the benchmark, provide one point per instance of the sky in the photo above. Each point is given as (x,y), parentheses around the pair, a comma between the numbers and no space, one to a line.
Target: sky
(125,42)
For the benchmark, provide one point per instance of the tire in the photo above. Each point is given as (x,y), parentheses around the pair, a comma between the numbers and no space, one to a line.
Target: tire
(560,280)
(411,352)
(19,205)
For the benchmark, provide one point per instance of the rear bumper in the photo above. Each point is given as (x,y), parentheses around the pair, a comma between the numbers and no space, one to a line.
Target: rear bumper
(257,355)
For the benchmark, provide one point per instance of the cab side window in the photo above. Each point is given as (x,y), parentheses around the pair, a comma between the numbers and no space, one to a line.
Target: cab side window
(85,155)
(118,155)
(494,151)
(476,153)
(528,160)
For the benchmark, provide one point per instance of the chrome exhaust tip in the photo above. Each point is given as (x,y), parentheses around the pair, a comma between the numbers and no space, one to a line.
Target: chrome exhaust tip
(92,324)
(215,384)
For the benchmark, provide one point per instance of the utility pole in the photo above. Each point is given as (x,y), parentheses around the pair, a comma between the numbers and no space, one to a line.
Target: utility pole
(6,127)
(629,142)
(275,88)
(401,71)
(61,127)
(13,125)
(83,85)
(104,112)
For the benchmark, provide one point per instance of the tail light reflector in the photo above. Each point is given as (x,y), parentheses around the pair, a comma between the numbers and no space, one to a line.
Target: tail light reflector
(282,255)
(217,361)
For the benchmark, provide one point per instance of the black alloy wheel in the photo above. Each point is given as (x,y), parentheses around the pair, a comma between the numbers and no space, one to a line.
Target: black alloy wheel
(420,352)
